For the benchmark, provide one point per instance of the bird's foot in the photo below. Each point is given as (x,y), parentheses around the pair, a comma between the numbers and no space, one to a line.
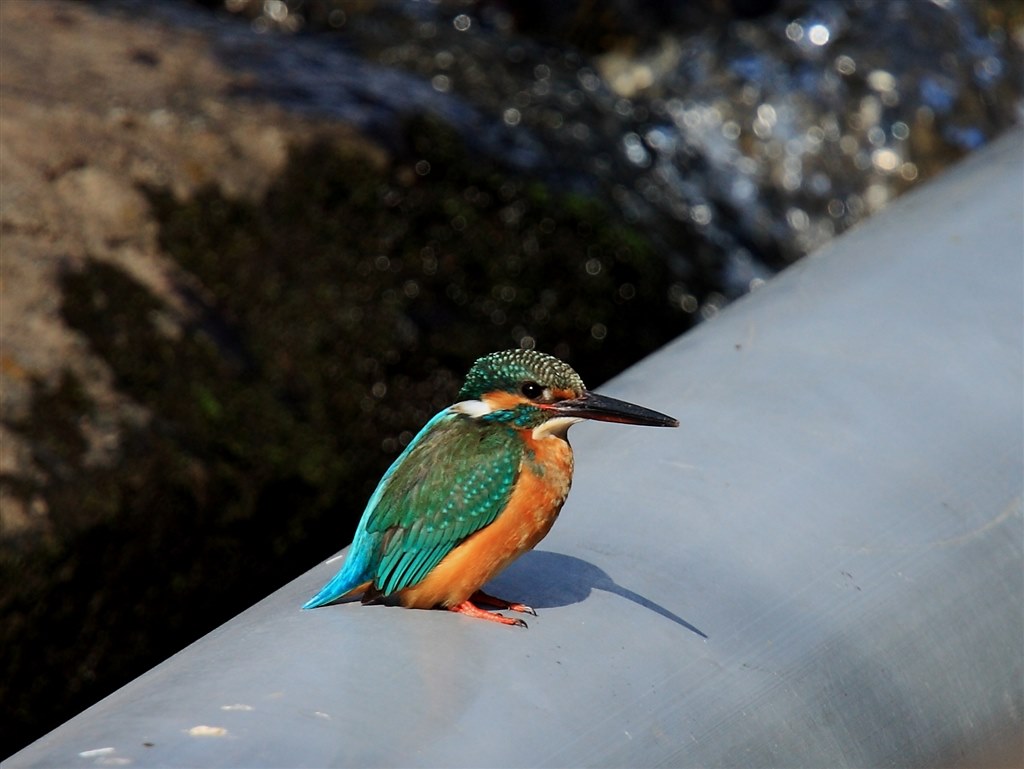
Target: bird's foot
(470,609)
(500,603)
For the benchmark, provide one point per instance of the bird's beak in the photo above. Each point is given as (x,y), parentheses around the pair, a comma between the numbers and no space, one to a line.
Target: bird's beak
(590,405)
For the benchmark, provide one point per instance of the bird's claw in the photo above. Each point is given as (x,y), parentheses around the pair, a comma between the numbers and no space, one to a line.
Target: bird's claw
(500,603)
(470,609)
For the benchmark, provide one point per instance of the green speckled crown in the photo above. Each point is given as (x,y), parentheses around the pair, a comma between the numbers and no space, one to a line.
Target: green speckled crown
(508,369)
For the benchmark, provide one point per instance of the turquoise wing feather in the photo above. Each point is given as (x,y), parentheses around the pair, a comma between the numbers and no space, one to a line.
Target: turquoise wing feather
(453,479)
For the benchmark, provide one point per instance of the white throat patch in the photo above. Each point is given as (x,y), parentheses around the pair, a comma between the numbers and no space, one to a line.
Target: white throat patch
(556,428)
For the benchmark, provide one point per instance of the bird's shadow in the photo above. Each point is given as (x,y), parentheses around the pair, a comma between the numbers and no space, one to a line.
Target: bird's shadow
(544,580)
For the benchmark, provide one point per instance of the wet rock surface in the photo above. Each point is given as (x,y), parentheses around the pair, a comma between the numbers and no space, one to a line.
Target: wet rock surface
(95,109)
(758,129)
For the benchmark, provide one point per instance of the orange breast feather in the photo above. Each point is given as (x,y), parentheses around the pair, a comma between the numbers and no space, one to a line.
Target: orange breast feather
(539,493)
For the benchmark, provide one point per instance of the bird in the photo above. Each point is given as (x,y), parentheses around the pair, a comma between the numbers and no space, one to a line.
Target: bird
(480,484)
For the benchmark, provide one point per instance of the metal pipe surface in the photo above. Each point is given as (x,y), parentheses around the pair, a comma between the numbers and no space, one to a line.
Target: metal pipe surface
(821,567)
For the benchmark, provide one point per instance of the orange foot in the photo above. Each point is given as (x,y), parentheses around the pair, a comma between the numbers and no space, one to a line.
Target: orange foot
(500,603)
(470,609)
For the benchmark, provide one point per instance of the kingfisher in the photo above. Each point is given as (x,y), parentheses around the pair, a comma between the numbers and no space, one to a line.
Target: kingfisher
(478,486)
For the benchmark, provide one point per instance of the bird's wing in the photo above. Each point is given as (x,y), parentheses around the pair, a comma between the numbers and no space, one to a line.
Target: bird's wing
(454,481)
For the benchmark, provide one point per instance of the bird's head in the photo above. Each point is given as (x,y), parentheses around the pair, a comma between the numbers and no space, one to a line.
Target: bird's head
(531,390)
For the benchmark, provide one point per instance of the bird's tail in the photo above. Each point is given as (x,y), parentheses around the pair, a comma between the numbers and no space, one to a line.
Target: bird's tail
(351,578)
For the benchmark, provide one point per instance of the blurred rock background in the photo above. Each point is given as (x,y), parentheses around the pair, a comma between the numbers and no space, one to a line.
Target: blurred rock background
(248,247)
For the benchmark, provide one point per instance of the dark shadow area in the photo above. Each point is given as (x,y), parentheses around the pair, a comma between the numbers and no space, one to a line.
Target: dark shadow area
(545,580)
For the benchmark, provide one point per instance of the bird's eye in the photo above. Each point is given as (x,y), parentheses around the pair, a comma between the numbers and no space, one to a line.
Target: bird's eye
(531,390)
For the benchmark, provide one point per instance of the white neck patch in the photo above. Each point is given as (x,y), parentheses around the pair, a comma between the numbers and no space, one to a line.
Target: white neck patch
(471,408)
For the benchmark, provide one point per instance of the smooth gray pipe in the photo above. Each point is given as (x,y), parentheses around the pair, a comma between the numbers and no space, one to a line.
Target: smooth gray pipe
(821,567)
